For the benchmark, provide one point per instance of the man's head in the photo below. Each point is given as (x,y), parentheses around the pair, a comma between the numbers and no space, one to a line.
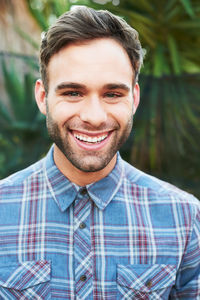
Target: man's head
(89,97)
(83,24)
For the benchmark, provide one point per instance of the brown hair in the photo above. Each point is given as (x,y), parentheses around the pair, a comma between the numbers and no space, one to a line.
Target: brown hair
(84,24)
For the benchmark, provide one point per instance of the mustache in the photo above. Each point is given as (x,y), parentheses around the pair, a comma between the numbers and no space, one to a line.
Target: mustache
(77,125)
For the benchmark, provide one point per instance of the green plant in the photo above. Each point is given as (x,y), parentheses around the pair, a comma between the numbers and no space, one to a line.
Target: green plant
(23,138)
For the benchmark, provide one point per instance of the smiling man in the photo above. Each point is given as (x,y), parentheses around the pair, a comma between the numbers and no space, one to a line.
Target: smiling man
(82,223)
(89,105)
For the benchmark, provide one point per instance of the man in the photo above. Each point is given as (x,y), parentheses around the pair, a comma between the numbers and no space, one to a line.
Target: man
(82,223)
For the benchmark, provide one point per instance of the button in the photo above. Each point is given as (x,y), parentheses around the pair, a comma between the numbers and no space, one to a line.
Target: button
(149,283)
(83,277)
(82,225)
(83,191)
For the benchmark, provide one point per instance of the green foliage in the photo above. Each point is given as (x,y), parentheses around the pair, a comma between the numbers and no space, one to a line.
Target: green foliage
(23,138)
(165,123)
(169,30)
(45,12)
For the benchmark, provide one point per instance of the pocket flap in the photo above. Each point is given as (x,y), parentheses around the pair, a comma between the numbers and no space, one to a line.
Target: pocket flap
(146,278)
(25,274)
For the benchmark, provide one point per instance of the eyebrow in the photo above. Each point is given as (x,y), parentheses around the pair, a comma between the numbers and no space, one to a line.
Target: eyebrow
(74,85)
(69,85)
(115,86)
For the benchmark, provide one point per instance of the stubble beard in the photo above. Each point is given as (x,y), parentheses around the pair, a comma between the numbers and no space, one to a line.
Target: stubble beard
(93,161)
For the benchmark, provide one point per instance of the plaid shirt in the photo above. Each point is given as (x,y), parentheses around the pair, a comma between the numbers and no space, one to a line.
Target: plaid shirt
(128,236)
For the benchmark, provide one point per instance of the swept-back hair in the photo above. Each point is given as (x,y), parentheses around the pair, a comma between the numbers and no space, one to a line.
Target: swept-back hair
(85,24)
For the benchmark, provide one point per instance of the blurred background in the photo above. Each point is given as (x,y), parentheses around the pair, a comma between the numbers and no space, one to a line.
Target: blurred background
(165,140)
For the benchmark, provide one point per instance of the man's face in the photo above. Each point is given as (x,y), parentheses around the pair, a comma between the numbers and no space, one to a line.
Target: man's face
(90,102)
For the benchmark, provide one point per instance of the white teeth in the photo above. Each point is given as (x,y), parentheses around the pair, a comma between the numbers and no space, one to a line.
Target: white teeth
(90,139)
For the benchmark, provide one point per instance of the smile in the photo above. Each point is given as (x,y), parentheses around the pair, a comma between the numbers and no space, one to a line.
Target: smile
(89,139)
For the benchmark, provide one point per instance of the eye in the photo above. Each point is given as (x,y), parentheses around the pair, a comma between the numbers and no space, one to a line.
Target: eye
(71,93)
(113,95)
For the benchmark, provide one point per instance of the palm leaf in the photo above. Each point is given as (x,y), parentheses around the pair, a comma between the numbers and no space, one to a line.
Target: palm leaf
(188,7)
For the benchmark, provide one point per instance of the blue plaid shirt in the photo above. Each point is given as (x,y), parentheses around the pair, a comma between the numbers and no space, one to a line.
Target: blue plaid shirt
(128,236)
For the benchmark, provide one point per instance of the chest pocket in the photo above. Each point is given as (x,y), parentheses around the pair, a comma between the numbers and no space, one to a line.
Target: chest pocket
(25,281)
(145,282)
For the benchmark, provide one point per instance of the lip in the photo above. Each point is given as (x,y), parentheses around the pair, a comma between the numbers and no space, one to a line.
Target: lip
(92,147)
(90,133)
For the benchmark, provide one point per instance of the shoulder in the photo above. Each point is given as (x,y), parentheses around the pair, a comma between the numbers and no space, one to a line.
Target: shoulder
(157,190)
(17,179)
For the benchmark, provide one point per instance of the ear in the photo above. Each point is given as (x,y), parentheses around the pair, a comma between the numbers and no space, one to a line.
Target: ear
(136,97)
(40,96)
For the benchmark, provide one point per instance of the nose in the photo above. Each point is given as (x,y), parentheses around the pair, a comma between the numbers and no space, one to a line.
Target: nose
(93,112)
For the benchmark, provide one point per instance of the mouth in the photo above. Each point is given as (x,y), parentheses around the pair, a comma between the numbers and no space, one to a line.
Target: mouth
(91,141)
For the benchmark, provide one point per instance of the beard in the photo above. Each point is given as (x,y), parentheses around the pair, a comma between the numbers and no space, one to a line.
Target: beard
(83,160)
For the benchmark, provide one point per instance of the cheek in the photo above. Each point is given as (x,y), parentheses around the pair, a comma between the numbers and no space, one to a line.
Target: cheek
(63,112)
(122,112)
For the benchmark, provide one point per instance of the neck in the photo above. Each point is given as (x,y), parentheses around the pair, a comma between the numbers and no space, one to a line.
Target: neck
(77,176)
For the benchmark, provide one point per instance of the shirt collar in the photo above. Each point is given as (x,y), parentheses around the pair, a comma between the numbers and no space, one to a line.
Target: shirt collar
(64,192)
(103,191)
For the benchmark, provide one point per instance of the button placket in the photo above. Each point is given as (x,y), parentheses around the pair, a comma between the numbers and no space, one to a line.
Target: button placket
(82,244)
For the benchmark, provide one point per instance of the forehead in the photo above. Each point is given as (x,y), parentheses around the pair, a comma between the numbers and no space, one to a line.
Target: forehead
(101,59)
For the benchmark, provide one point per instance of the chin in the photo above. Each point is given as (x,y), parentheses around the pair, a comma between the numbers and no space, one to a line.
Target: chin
(85,167)
(90,164)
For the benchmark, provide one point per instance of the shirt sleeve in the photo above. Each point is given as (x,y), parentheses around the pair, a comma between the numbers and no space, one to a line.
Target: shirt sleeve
(188,276)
